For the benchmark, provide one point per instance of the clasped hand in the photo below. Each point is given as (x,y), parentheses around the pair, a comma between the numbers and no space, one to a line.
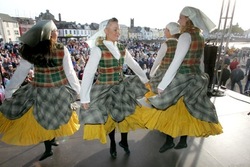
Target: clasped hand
(85,106)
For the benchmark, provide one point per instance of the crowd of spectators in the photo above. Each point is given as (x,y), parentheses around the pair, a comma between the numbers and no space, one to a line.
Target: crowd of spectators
(231,65)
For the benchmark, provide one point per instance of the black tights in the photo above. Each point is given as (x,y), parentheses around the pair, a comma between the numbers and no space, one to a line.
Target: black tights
(183,140)
(48,145)
(170,139)
(124,138)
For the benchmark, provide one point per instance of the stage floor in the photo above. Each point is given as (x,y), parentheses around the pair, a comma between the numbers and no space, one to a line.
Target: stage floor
(230,149)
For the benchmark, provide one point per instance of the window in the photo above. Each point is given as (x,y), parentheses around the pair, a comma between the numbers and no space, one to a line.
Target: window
(16,32)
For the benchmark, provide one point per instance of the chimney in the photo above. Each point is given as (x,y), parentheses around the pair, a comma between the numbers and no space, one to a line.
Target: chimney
(132,23)
(59,15)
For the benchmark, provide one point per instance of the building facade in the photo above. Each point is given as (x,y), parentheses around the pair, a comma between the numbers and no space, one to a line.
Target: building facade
(9,29)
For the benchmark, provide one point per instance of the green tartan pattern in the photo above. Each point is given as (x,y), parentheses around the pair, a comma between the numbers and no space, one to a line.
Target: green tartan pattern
(118,101)
(156,79)
(110,69)
(51,76)
(171,43)
(191,62)
(194,90)
(52,106)
(191,85)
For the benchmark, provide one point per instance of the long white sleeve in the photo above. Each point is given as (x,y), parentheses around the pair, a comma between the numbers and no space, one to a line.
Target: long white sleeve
(135,67)
(18,77)
(70,72)
(89,74)
(202,66)
(160,54)
(180,53)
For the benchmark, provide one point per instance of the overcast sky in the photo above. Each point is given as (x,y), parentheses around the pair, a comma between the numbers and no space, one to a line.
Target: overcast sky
(149,13)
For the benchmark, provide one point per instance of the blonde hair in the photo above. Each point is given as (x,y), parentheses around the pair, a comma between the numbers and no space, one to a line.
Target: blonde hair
(99,40)
(189,26)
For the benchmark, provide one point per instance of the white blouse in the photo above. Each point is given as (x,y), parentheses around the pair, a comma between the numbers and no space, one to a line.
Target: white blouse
(160,55)
(93,63)
(24,67)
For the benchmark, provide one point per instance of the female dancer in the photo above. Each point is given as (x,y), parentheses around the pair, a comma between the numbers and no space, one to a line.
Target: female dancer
(182,107)
(41,110)
(111,102)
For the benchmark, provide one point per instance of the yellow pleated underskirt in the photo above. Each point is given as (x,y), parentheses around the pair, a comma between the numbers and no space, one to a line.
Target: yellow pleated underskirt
(27,131)
(177,121)
(150,93)
(100,131)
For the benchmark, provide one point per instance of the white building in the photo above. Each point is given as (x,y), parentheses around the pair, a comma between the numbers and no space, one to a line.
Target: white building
(9,29)
(146,34)
(124,32)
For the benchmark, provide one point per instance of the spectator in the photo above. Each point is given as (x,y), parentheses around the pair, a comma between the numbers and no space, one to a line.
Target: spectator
(247,66)
(226,59)
(10,70)
(236,76)
(2,94)
(247,88)
(80,72)
(225,75)
(234,64)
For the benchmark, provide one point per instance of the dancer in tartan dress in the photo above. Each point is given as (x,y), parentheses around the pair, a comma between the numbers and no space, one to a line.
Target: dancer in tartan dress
(165,55)
(111,101)
(181,106)
(41,110)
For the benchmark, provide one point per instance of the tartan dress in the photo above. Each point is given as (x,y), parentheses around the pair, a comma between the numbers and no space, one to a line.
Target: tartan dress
(184,108)
(113,99)
(156,79)
(41,110)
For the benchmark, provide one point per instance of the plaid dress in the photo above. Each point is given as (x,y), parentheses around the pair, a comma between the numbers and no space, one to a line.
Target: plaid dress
(184,108)
(112,94)
(156,79)
(41,110)
(113,99)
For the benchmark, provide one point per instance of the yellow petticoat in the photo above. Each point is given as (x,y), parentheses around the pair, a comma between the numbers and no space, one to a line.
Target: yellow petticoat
(177,121)
(150,93)
(27,131)
(100,131)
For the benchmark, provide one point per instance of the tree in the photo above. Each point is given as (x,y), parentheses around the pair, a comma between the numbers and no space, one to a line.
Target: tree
(236,29)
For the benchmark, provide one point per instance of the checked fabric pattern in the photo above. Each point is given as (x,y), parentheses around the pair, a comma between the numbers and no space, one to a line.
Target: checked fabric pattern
(118,101)
(52,106)
(194,90)
(156,79)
